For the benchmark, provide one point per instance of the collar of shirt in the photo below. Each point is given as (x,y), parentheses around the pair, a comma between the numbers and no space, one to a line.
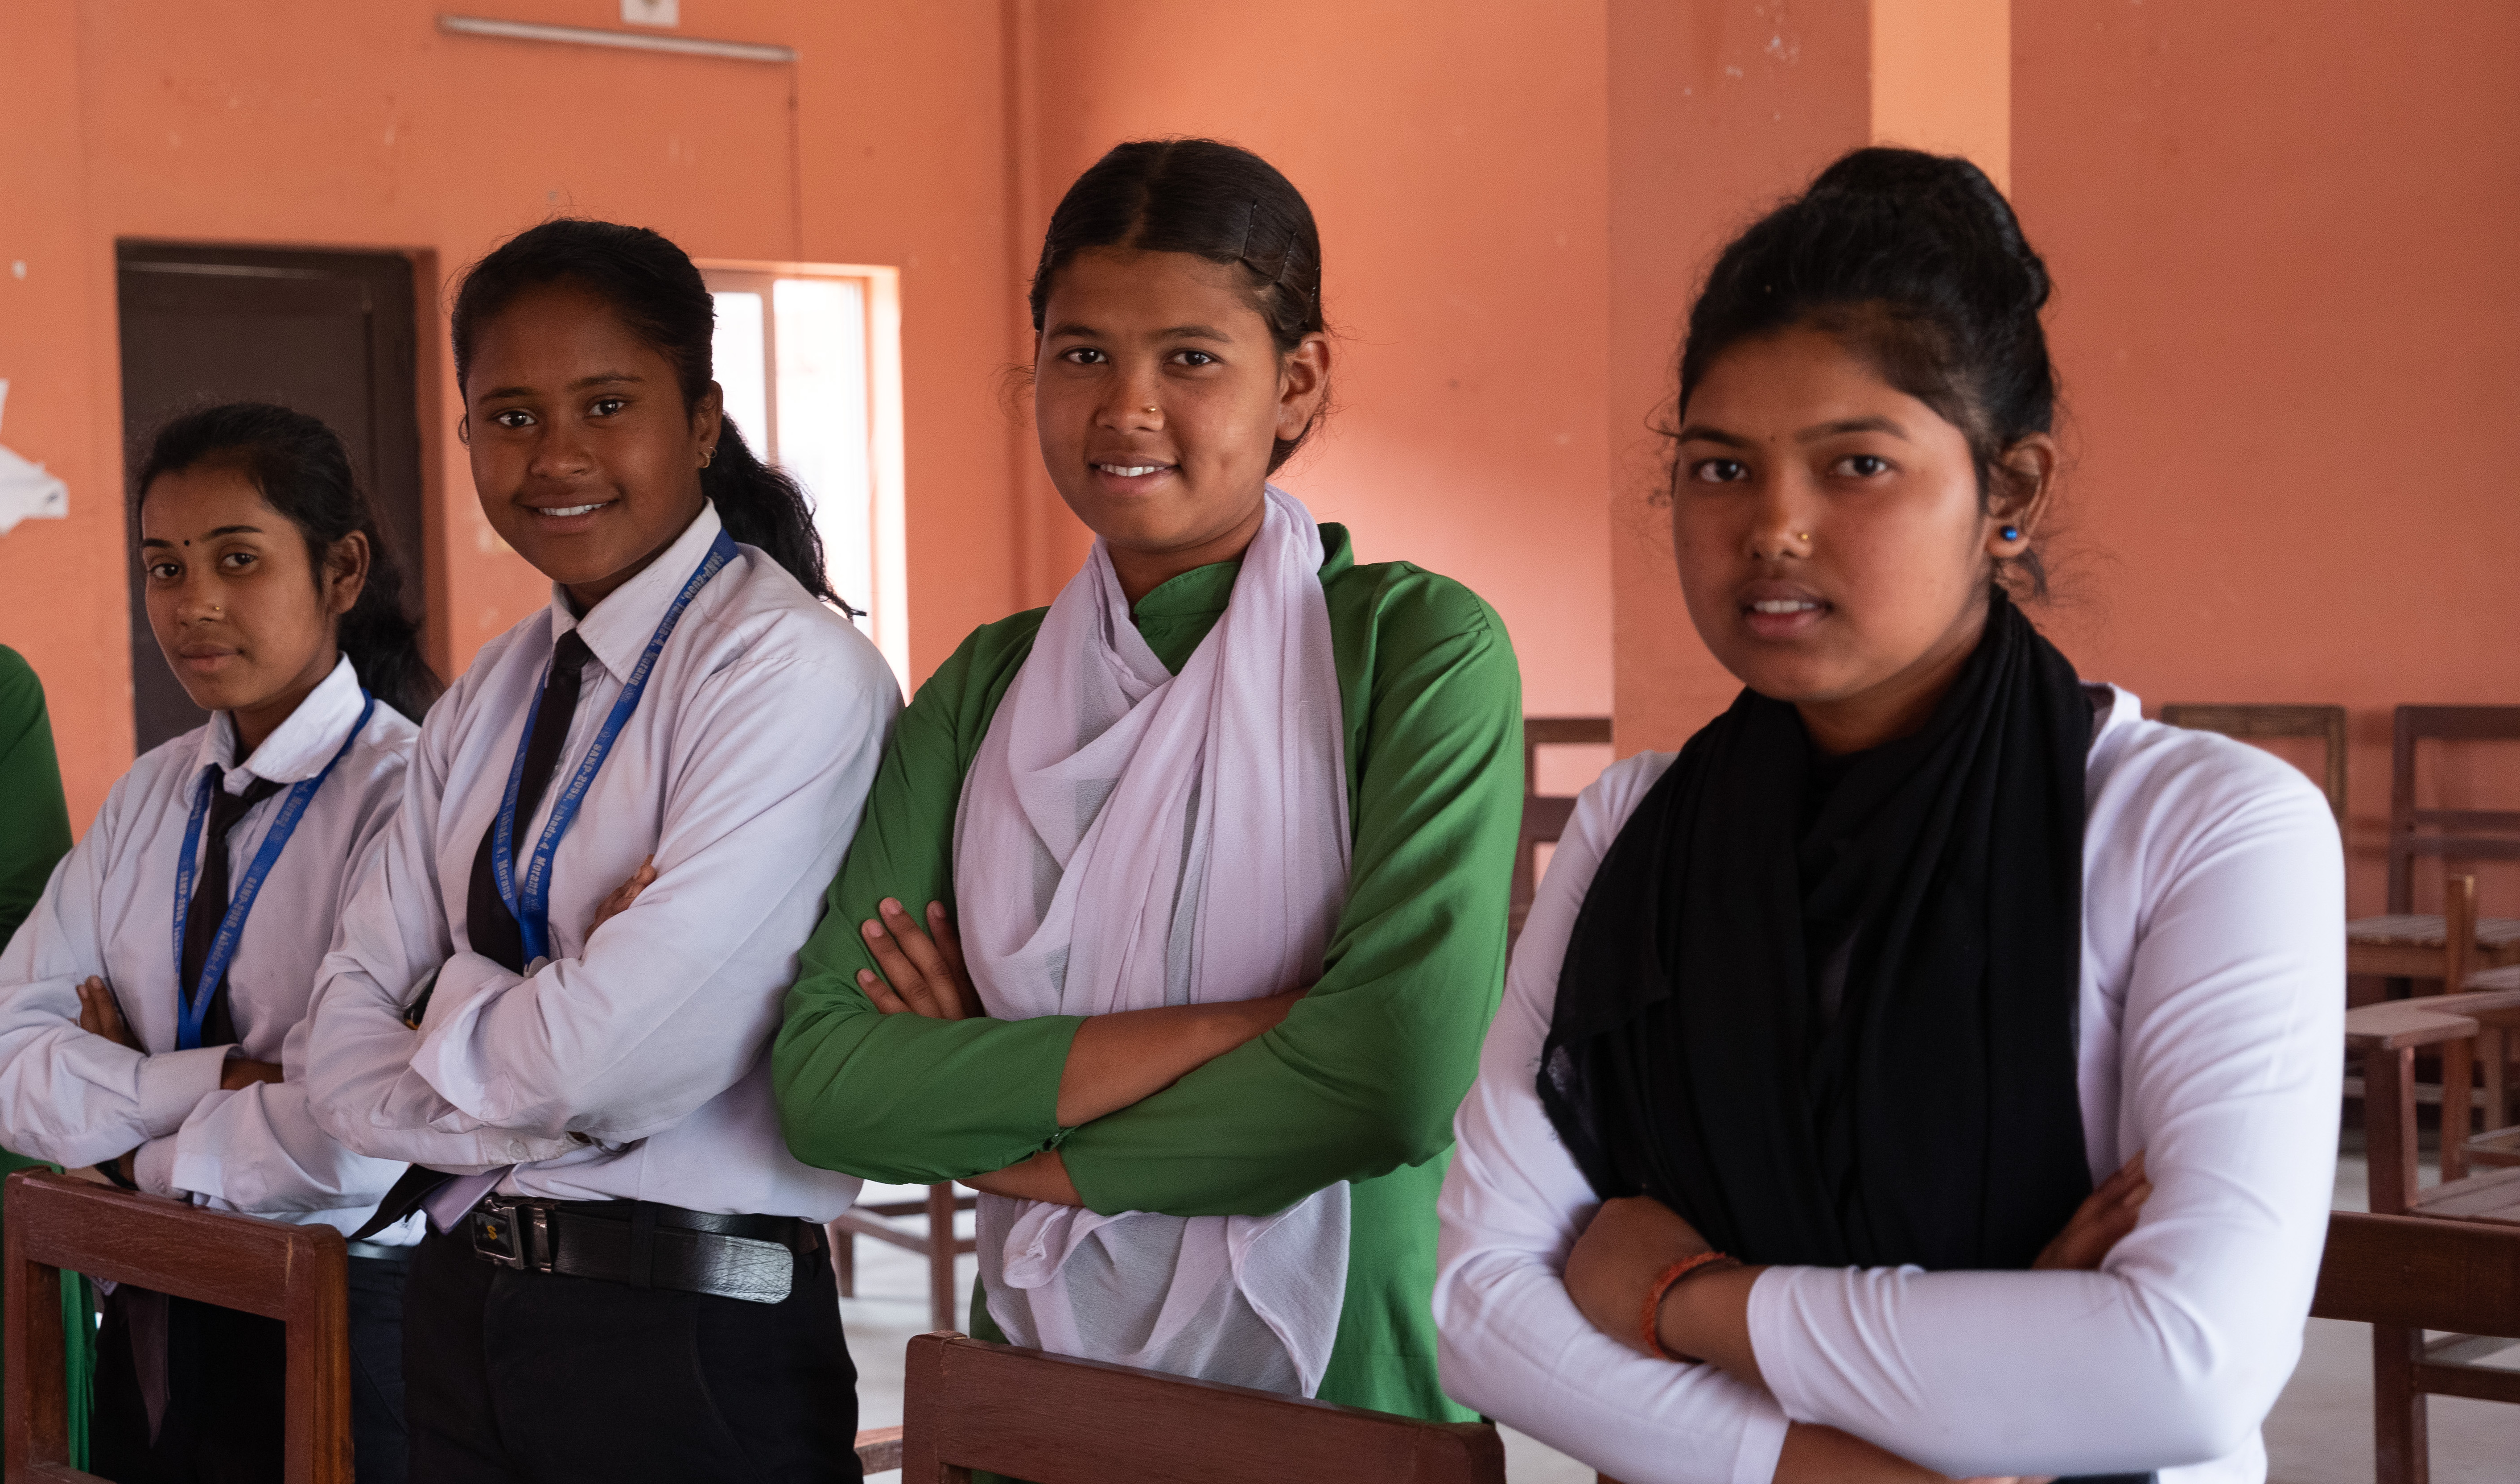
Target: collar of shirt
(299,746)
(617,629)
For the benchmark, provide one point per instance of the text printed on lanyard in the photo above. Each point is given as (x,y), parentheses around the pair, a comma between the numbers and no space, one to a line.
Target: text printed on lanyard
(193,1000)
(529,898)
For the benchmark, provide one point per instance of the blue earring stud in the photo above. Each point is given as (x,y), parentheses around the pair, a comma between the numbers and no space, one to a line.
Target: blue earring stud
(2012,533)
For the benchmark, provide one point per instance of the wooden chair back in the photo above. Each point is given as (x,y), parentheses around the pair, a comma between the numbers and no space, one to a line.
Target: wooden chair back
(296,1274)
(2405,1274)
(2455,834)
(1544,815)
(2328,723)
(1055,1420)
(932,1239)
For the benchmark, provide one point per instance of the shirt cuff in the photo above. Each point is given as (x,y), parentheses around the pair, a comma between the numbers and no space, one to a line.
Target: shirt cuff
(153,1169)
(173,1083)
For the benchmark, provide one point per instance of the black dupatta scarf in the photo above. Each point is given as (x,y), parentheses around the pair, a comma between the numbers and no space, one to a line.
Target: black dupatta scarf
(1840,1028)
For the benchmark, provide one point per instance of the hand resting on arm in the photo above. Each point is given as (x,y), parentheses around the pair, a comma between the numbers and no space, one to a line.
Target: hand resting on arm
(1116,1060)
(1706,1316)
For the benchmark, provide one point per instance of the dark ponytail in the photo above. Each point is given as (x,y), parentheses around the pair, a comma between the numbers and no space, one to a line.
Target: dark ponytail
(1214,200)
(1918,262)
(660,297)
(301,469)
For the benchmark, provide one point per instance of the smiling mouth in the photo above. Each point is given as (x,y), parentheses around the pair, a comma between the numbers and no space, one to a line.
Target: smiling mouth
(564,511)
(1783,606)
(1133,471)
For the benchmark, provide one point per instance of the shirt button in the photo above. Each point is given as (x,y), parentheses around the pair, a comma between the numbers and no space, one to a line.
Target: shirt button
(516,1149)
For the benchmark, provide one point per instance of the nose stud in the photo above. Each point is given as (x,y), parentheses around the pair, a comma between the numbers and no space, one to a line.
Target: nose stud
(1151,407)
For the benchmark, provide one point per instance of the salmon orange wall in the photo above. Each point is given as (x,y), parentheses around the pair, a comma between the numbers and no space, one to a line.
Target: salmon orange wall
(1716,112)
(1454,157)
(314,125)
(2285,309)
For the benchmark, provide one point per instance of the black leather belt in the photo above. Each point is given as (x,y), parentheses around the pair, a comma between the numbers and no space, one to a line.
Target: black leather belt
(646,1245)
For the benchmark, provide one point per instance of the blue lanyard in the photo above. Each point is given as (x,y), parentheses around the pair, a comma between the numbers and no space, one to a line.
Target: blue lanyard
(530,898)
(193,1000)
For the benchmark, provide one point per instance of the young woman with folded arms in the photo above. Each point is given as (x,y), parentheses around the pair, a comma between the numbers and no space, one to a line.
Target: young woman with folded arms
(560,970)
(1225,834)
(1932,1069)
(153,1008)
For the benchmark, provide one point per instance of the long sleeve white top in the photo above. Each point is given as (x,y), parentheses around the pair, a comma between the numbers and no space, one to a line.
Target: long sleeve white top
(109,909)
(634,1064)
(2210,1015)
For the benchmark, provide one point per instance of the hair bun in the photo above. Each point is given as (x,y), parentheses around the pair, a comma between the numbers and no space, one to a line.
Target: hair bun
(1944,195)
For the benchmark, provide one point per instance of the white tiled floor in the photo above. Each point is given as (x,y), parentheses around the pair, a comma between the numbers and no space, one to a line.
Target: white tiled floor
(2320,1432)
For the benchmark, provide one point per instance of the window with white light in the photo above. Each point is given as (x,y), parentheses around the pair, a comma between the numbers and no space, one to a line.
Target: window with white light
(809,358)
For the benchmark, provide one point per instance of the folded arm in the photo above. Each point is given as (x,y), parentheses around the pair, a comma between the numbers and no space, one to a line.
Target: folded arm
(2174,1350)
(1363,1074)
(912,1099)
(670,1002)
(1511,1341)
(69,1095)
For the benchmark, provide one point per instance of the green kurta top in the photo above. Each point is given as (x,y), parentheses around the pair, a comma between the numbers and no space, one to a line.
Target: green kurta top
(34,821)
(34,835)
(1358,1083)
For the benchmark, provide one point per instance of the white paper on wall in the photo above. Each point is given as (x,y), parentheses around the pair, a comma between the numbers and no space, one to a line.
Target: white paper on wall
(26,491)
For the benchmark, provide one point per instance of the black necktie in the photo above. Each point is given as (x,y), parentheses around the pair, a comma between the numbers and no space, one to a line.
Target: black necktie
(209,908)
(488,924)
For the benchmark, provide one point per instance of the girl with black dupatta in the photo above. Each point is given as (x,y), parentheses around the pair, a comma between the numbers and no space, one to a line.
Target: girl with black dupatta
(1931,1069)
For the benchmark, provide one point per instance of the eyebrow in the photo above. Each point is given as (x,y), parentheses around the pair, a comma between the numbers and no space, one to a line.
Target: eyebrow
(1073,331)
(221,530)
(600,379)
(1851,425)
(1700,433)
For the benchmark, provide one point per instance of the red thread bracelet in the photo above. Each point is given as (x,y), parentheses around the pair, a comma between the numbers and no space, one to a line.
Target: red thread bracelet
(1648,1325)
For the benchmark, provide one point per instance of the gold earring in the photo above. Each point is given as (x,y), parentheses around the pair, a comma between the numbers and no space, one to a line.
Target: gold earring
(708,456)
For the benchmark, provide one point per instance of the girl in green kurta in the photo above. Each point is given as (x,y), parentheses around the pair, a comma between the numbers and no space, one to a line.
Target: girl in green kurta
(34,834)
(1180,360)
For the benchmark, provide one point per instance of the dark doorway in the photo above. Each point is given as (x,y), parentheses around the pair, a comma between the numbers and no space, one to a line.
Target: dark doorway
(328,334)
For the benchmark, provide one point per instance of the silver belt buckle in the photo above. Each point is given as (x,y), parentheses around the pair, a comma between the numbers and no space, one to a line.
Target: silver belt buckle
(500,1232)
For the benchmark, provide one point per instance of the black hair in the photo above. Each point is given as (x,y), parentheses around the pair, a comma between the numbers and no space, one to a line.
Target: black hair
(1918,262)
(1213,201)
(301,469)
(658,292)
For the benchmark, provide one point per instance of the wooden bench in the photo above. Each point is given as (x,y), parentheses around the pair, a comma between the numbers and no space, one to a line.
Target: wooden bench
(296,1274)
(1053,1420)
(2405,1275)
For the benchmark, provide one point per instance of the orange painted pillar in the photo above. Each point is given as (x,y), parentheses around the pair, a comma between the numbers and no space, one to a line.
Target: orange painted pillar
(1941,80)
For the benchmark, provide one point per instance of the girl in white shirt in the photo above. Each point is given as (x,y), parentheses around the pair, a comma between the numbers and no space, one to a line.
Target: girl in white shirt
(1932,1069)
(626,1276)
(153,1008)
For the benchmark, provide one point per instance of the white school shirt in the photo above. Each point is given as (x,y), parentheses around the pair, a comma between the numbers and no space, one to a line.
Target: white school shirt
(634,1064)
(110,909)
(2211,1022)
